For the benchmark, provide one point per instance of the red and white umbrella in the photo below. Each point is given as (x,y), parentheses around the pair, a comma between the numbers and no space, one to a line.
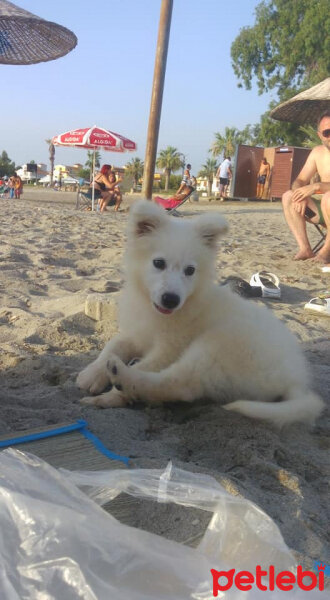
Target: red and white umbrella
(95,138)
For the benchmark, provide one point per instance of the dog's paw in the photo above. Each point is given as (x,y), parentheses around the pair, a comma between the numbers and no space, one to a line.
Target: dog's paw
(112,399)
(122,376)
(94,378)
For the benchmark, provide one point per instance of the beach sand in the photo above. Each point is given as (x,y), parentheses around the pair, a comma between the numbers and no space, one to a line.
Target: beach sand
(52,257)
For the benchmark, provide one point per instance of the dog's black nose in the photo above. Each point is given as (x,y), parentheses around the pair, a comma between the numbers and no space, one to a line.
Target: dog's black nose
(170,300)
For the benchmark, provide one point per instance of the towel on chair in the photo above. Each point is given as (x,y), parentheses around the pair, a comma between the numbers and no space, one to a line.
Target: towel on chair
(167,203)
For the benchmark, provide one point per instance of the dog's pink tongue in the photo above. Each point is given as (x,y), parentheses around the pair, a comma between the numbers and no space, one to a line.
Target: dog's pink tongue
(164,311)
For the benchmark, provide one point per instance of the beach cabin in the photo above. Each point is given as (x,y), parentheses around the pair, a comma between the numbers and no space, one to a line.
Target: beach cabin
(288,162)
(285,163)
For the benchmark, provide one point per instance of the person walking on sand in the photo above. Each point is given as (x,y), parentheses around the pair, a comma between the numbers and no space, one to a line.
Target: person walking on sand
(300,202)
(262,177)
(224,174)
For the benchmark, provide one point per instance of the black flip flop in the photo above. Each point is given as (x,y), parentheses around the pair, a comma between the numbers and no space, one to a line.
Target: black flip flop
(242,287)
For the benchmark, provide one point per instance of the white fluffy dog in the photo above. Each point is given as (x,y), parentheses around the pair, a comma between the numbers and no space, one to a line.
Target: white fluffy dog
(192,337)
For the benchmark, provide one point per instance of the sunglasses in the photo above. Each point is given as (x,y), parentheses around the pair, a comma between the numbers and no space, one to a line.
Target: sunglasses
(325,133)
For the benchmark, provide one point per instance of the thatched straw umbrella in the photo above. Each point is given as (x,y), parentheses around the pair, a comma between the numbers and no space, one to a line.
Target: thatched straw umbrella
(306,107)
(26,39)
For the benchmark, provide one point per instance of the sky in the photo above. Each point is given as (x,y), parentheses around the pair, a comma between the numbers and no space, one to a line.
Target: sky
(107,79)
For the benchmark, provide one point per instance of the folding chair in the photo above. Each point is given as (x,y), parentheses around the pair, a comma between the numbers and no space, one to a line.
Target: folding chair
(308,215)
(171,204)
(84,198)
(320,243)
(4,190)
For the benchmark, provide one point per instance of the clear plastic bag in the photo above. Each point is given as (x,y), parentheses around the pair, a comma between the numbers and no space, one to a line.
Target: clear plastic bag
(56,543)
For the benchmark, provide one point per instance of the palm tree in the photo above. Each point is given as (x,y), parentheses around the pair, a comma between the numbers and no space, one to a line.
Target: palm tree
(51,149)
(169,160)
(135,168)
(209,170)
(89,161)
(312,137)
(226,144)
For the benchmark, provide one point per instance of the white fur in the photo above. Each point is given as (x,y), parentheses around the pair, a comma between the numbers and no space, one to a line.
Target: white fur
(213,344)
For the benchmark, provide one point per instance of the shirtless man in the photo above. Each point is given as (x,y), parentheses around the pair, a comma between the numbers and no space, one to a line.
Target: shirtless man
(262,177)
(296,200)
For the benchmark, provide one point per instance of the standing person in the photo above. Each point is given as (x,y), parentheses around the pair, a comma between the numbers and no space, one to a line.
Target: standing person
(262,177)
(18,186)
(186,180)
(11,186)
(300,202)
(224,174)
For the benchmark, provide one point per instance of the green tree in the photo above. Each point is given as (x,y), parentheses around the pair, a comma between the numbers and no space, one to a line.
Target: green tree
(7,166)
(89,161)
(51,149)
(311,138)
(170,160)
(84,173)
(209,170)
(287,49)
(226,144)
(135,168)
(269,132)
(175,181)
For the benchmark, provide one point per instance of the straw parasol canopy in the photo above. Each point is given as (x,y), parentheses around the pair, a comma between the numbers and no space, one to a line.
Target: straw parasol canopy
(306,107)
(27,39)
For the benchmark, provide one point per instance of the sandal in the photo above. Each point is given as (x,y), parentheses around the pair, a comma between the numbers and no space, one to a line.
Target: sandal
(242,287)
(320,305)
(268,282)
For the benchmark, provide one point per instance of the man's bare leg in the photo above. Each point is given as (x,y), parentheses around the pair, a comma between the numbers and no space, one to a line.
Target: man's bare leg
(222,191)
(297,224)
(323,255)
(261,191)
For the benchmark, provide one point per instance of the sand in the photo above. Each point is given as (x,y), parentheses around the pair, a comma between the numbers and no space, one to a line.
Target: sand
(52,256)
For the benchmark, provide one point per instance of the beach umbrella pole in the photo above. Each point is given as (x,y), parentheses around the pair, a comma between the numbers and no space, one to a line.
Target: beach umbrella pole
(157,96)
(93,191)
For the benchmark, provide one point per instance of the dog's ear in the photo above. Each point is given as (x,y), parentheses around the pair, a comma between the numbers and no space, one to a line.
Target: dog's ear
(210,227)
(146,217)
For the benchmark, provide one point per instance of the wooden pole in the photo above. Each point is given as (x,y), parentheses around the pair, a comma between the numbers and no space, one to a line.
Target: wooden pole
(157,96)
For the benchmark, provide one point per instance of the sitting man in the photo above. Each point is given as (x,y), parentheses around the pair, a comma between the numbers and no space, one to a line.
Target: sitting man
(299,203)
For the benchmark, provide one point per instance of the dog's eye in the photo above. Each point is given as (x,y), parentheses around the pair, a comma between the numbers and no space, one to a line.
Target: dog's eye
(189,270)
(159,263)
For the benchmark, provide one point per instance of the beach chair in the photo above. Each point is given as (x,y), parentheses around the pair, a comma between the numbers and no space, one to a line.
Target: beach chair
(84,197)
(4,190)
(322,231)
(320,228)
(171,204)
